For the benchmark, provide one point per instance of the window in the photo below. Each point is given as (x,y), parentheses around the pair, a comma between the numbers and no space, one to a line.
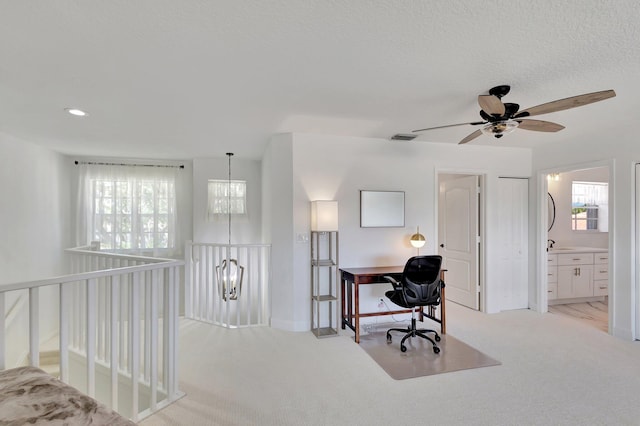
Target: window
(589,206)
(223,193)
(129,209)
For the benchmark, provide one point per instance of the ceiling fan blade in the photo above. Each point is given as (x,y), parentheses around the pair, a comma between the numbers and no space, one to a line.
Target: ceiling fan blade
(471,137)
(566,103)
(491,105)
(474,123)
(539,125)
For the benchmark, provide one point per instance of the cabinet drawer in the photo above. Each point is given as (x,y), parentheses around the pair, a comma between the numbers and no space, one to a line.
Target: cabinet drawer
(575,259)
(552,291)
(601,288)
(552,259)
(601,258)
(552,274)
(601,272)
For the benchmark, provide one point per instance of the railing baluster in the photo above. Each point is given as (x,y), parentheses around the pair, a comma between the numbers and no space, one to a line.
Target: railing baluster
(100,318)
(90,345)
(2,332)
(134,343)
(171,343)
(123,309)
(201,285)
(147,325)
(167,316)
(113,347)
(153,339)
(65,302)
(34,326)
(188,280)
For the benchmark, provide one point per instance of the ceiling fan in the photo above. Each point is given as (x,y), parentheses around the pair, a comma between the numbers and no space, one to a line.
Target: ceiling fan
(502,118)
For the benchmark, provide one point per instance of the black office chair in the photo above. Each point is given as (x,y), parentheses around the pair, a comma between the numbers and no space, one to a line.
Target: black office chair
(420,285)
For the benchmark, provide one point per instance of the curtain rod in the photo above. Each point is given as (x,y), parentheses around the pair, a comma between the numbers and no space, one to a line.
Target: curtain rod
(92,163)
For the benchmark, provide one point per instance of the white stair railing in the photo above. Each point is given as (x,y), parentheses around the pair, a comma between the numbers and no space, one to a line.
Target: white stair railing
(118,329)
(209,298)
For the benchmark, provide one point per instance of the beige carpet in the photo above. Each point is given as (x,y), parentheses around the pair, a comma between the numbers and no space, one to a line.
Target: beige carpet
(419,359)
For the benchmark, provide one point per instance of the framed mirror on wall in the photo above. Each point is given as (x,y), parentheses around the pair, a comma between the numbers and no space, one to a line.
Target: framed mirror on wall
(381,209)
(551,206)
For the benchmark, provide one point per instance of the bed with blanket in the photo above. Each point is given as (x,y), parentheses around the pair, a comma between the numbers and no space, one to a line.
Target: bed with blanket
(29,396)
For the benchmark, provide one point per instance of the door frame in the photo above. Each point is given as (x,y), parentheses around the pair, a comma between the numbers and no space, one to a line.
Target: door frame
(542,302)
(482,178)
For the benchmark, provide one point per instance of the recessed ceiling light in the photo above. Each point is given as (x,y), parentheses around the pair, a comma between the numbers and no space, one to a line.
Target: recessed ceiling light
(76,111)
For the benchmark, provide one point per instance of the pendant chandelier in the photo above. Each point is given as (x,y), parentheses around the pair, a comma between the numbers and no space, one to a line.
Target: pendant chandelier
(229,273)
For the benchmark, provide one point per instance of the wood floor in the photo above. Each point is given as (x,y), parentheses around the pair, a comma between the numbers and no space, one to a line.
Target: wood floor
(593,313)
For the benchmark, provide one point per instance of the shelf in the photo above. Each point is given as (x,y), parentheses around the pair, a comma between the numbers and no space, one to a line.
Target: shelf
(325,297)
(324,283)
(323,262)
(325,332)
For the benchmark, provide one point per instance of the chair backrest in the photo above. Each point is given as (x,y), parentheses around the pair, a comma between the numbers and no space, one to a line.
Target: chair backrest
(421,280)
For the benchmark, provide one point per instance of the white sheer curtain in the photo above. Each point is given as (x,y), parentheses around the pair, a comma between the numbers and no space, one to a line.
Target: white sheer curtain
(129,209)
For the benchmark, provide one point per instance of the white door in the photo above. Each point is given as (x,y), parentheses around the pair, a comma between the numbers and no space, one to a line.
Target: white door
(511,283)
(459,239)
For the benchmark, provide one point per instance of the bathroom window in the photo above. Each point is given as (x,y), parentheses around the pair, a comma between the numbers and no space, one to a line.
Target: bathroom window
(589,206)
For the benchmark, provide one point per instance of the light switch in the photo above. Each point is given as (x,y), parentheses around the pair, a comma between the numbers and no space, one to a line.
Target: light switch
(302,237)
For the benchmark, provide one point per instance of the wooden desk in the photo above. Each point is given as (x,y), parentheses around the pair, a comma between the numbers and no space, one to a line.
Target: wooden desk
(352,278)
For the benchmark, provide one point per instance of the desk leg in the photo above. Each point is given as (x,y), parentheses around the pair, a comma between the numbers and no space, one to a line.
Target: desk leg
(343,302)
(357,310)
(443,316)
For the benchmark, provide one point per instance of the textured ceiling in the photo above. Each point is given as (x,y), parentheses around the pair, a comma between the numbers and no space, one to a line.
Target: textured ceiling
(197,78)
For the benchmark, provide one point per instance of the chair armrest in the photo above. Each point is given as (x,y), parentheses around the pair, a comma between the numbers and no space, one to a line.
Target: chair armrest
(396,285)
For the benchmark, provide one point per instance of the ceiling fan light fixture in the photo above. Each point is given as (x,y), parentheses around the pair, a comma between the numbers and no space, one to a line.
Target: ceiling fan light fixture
(499,128)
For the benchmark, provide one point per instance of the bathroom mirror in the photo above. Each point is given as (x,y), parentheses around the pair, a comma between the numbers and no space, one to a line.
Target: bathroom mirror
(551,206)
(381,209)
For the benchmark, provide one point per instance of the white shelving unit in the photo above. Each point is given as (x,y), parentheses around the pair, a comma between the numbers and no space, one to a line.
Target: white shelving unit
(324,283)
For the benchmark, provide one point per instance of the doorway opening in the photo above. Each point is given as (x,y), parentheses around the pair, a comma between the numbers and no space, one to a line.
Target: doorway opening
(576,241)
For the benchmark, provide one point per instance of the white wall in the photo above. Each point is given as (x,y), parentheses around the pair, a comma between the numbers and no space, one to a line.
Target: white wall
(619,149)
(330,167)
(35,226)
(561,191)
(245,229)
(278,228)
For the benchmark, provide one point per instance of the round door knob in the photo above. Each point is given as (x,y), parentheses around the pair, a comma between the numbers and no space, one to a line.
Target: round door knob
(442,245)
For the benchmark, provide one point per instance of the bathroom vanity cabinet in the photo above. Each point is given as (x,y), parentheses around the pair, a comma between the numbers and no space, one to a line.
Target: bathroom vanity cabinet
(577,273)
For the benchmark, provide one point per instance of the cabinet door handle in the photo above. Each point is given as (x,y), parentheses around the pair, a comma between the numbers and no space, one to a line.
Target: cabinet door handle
(576,259)
(603,272)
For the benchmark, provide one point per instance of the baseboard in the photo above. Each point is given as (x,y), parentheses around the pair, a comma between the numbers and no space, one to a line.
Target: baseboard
(290,325)
(623,333)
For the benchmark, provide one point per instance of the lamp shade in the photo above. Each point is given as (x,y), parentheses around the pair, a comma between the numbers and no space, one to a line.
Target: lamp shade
(324,216)
(418,240)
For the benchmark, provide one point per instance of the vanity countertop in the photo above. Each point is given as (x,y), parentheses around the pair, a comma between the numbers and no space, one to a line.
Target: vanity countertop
(558,250)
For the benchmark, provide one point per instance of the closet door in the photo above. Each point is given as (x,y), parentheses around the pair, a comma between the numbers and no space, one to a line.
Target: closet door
(512,284)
